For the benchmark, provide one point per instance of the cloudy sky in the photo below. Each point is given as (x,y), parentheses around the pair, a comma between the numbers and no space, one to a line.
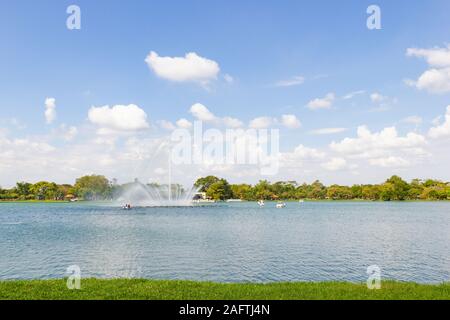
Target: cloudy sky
(352,105)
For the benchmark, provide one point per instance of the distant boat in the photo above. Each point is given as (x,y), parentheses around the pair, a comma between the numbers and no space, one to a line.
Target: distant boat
(203,201)
(234,200)
(281,205)
(301,201)
(261,203)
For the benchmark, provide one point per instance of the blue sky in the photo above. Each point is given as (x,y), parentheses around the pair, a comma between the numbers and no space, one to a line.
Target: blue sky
(258,43)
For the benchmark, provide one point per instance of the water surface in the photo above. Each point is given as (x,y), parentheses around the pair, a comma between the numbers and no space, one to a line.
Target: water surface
(231,242)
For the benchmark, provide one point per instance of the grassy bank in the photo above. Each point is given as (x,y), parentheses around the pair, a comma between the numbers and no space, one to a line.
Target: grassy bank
(180,290)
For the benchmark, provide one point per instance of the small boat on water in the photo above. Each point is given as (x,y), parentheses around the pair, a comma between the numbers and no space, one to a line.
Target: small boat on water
(261,203)
(281,205)
(204,201)
(301,200)
(127,207)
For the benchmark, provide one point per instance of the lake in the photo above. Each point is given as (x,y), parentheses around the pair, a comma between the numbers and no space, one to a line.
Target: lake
(229,242)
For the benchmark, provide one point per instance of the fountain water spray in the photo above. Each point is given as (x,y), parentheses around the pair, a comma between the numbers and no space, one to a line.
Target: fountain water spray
(153,195)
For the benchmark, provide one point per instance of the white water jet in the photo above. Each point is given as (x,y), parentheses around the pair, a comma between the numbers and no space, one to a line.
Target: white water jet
(140,195)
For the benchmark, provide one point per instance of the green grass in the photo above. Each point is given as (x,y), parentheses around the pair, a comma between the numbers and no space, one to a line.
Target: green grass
(95,289)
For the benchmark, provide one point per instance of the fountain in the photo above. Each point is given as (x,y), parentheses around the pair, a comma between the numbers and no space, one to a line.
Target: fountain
(138,194)
(141,195)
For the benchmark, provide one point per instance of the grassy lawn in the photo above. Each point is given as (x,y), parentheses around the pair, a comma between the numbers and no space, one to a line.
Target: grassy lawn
(180,290)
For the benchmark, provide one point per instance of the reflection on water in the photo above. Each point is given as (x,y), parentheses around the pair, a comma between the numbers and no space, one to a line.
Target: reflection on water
(228,242)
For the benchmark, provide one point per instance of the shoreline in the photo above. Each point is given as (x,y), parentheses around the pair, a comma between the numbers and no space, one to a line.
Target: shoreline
(243,201)
(144,289)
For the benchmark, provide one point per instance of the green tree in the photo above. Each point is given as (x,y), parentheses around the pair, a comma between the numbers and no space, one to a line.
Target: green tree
(219,190)
(400,188)
(23,189)
(93,187)
(44,190)
(204,183)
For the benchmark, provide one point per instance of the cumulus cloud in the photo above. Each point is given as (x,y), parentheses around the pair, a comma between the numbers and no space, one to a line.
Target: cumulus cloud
(118,118)
(383,149)
(324,131)
(202,113)
(300,154)
(184,123)
(436,57)
(322,103)
(294,81)
(441,130)
(303,152)
(389,162)
(433,80)
(386,139)
(191,67)
(232,122)
(290,121)
(261,123)
(437,78)
(50,110)
(335,164)
(167,125)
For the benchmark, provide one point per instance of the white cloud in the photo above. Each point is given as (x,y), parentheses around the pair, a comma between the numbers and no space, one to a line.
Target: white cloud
(308,153)
(68,133)
(416,120)
(436,57)
(388,162)
(232,122)
(324,131)
(167,125)
(290,121)
(300,155)
(294,81)
(353,94)
(191,67)
(202,113)
(379,144)
(184,124)
(335,164)
(228,78)
(261,123)
(377,97)
(118,118)
(50,110)
(433,80)
(441,130)
(322,103)
(437,78)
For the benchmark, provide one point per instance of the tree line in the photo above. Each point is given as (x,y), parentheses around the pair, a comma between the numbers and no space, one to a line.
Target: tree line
(92,187)
(394,188)
(97,187)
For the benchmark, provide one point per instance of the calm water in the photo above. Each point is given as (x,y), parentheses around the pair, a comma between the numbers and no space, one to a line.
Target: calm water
(228,242)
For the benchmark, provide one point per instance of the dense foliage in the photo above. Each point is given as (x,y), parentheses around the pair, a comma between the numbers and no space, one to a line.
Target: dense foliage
(92,187)
(395,188)
(96,187)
